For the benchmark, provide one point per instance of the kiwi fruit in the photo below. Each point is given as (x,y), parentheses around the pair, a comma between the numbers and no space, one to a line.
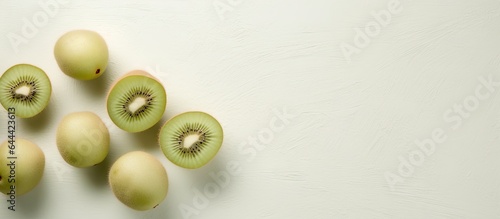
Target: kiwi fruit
(81,54)
(138,180)
(136,101)
(29,166)
(191,139)
(26,88)
(82,139)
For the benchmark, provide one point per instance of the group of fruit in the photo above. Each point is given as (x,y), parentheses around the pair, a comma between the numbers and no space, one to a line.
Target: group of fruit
(135,102)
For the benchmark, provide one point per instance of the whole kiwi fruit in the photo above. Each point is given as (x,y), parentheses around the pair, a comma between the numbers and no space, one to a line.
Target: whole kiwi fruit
(82,139)
(82,54)
(28,163)
(139,180)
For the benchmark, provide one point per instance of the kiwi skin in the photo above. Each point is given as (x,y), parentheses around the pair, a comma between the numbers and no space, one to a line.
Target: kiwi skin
(138,180)
(30,165)
(82,54)
(129,74)
(82,139)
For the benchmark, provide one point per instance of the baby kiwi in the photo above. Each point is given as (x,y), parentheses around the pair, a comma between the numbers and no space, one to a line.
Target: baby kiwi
(81,54)
(191,139)
(82,139)
(136,101)
(138,180)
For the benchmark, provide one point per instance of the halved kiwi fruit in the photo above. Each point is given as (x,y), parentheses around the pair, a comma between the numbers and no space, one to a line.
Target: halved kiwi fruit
(191,139)
(136,101)
(26,88)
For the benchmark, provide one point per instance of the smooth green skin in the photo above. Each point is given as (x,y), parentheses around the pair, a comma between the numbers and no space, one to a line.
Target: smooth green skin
(30,165)
(139,180)
(82,139)
(82,54)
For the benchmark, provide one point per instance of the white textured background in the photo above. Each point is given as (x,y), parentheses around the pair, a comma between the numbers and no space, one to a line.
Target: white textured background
(356,116)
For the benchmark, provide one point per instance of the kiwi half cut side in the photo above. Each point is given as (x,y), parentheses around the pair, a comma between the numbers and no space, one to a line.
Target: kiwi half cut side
(26,88)
(191,139)
(136,102)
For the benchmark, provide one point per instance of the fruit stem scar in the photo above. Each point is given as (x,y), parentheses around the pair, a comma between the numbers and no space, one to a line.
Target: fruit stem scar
(136,104)
(97,71)
(23,90)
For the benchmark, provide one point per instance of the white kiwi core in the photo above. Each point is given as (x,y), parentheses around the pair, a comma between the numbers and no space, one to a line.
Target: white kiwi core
(137,104)
(23,90)
(190,140)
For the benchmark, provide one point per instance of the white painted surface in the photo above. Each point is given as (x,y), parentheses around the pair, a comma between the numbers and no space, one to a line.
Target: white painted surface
(354,120)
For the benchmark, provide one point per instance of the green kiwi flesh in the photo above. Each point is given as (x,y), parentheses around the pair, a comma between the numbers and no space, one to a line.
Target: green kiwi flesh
(136,102)
(191,139)
(26,88)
